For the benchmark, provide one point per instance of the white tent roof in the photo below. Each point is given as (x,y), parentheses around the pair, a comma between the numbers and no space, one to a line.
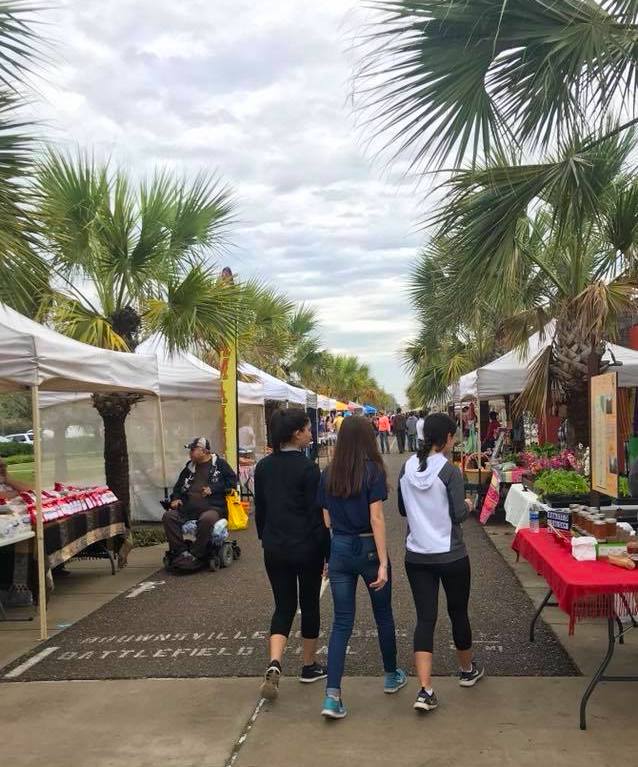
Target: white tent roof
(182,375)
(508,374)
(323,403)
(274,388)
(32,354)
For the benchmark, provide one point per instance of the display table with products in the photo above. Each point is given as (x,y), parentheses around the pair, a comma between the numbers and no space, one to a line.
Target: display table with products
(500,482)
(86,534)
(518,502)
(583,590)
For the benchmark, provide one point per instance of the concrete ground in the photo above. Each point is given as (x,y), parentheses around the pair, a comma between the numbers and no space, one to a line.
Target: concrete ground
(221,722)
(90,586)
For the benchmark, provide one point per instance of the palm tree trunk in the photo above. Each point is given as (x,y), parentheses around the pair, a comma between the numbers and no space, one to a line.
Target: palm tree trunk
(114,408)
(578,415)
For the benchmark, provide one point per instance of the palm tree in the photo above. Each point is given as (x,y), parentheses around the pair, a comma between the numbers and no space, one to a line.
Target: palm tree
(129,262)
(23,276)
(534,102)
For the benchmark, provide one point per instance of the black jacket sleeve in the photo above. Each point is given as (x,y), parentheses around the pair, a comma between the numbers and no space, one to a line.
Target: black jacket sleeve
(260,501)
(177,489)
(402,510)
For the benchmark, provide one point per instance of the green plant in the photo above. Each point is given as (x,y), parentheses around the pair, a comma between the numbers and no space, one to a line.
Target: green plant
(15,448)
(623,487)
(13,460)
(561,482)
(148,536)
(544,451)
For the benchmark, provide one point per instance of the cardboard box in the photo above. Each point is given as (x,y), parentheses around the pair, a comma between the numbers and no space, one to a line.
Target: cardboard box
(618,548)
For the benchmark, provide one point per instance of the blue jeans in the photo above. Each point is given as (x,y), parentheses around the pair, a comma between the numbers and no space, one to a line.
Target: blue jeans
(384,438)
(351,557)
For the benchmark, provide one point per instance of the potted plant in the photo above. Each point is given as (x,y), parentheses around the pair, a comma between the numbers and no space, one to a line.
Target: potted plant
(560,487)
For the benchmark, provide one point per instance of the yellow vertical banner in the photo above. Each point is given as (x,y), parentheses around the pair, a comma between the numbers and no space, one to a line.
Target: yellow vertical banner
(229,404)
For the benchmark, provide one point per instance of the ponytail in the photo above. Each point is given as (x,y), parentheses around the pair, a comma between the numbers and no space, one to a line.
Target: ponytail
(423,453)
(436,430)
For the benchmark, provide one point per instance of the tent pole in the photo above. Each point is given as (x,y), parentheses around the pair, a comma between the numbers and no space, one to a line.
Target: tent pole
(160,416)
(39,522)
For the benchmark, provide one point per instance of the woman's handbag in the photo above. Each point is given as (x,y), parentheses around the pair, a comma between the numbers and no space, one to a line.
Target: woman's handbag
(237,517)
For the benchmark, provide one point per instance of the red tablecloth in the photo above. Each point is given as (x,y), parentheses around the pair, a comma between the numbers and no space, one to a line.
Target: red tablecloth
(582,589)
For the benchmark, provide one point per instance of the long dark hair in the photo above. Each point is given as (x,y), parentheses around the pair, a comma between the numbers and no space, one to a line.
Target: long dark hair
(284,424)
(436,430)
(356,444)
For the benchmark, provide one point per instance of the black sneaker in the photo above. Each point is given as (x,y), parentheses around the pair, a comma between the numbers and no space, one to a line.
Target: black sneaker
(470,678)
(270,685)
(313,673)
(425,702)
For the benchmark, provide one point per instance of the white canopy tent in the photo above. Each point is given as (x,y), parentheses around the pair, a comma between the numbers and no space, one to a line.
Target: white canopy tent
(35,357)
(274,389)
(324,403)
(191,397)
(508,374)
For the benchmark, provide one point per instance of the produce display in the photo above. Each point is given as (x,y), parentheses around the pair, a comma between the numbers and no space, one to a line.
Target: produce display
(561,482)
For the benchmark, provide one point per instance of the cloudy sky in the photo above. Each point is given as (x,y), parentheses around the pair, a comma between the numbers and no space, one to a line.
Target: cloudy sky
(259,93)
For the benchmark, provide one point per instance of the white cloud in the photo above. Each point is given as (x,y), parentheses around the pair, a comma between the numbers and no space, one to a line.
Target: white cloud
(259,93)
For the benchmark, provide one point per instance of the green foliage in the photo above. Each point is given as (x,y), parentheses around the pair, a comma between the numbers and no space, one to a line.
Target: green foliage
(15,448)
(15,413)
(561,482)
(148,536)
(623,487)
(14,460)
(543,451)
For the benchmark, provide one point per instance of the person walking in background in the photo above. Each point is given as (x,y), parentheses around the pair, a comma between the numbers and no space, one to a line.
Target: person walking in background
(410,425)
(338,421)
(432,496)
(295,540)
(419,430)
(384,432)
(352,491)
(399,428)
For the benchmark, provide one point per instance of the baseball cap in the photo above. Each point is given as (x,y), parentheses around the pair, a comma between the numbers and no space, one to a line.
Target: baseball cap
(198,442)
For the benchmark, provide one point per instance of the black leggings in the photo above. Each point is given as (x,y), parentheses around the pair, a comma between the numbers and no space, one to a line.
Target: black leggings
(424,582)
(284,575)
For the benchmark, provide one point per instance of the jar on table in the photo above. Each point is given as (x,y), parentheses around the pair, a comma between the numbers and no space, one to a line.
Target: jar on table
(600,530)
(610,525)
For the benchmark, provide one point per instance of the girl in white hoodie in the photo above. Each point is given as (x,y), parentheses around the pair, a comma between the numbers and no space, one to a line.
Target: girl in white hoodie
(432,496)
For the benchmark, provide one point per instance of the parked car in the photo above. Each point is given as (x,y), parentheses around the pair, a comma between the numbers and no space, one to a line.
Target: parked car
(24,438)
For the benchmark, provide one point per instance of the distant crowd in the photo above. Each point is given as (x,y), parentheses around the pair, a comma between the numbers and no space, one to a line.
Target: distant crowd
(405,428)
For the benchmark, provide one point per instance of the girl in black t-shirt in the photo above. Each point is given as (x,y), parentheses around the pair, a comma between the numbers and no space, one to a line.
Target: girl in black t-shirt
(295,540)
(352,491)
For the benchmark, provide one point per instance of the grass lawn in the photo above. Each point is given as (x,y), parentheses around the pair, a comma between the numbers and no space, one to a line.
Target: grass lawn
(81,470)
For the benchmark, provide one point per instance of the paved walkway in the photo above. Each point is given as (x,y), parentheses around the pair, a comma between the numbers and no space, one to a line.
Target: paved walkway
(218,722)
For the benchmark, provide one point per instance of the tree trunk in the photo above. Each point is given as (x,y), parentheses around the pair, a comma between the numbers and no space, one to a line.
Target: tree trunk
(114,408)
(578,417)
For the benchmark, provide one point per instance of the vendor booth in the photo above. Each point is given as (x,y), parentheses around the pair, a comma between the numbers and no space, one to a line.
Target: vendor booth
(35,357)
(191,405)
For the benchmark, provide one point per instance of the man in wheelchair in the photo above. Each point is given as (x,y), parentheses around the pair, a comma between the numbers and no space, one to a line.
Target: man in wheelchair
(199,494)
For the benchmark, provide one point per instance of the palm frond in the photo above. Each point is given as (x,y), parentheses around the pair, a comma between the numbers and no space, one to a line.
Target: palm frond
(197,310)
(452,78)
(534,396)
